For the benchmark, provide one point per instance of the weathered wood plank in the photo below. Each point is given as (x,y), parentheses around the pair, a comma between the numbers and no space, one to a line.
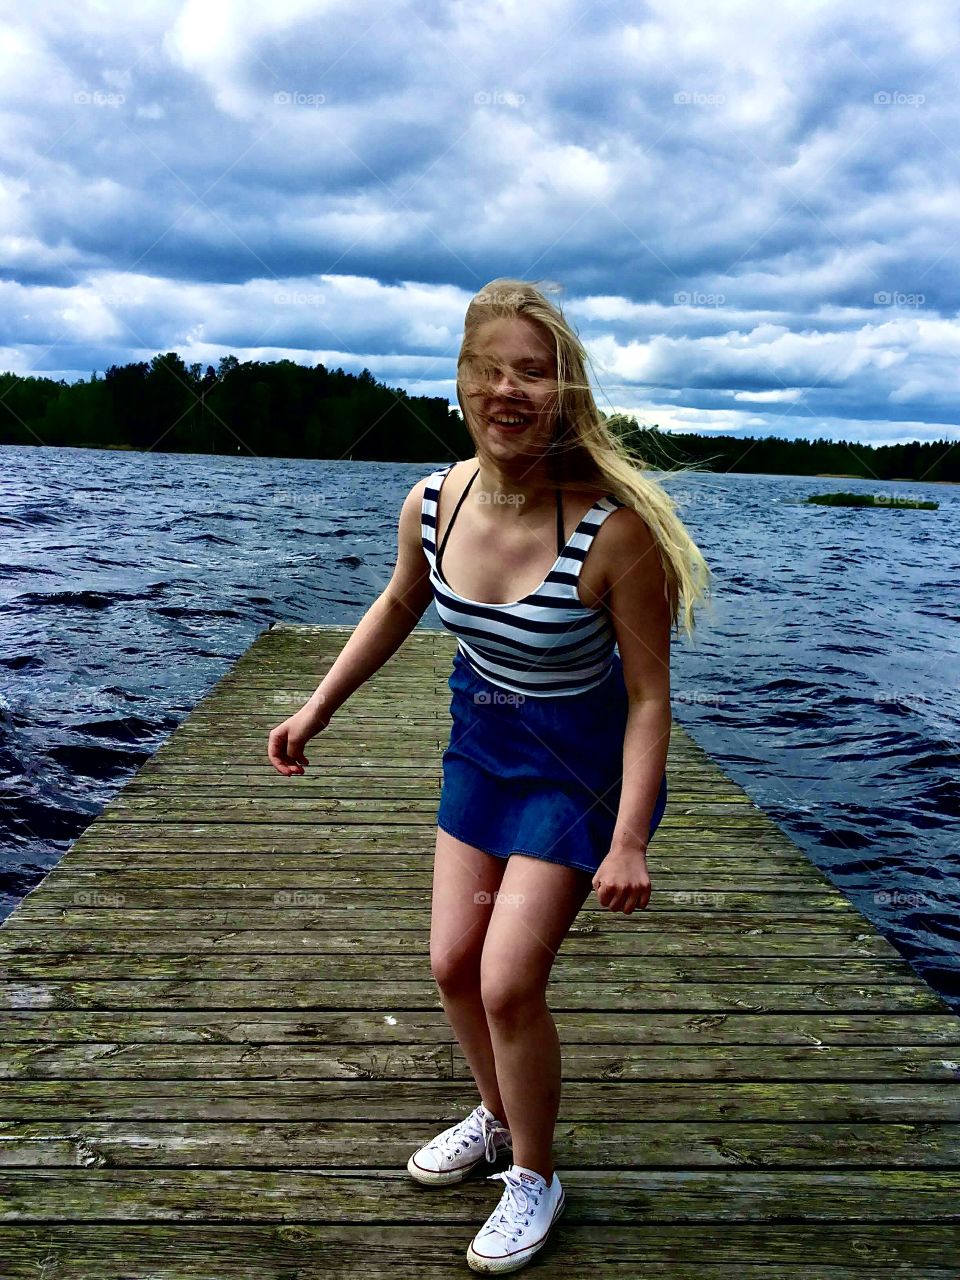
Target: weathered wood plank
(758,869)
(23,966)
(602,1195)
(841,944)
(355,910)
(393,889)
(671,846)
(441,1101)
(310,1143)
(306,807)
(281,1251)
(576,1027)
(818,1063)
(377,993)
(417,872)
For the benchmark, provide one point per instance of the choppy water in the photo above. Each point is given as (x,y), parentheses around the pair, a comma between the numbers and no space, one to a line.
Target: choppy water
(824,681)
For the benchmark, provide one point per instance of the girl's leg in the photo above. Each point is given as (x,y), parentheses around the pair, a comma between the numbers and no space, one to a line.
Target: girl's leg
(465,881)
(537,903)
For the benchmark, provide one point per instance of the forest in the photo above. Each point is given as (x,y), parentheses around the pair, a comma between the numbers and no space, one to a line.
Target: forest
(289,410)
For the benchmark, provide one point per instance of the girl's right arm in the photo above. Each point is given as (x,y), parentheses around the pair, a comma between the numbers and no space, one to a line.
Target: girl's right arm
(377,636)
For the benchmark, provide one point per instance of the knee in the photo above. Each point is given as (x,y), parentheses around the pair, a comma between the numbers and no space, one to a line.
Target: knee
(509,996)
(455,969)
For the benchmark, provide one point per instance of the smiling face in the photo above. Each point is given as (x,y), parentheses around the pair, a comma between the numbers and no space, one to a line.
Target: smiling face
(508,381)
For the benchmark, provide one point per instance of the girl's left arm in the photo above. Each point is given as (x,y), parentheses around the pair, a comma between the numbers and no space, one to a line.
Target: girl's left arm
(640,613)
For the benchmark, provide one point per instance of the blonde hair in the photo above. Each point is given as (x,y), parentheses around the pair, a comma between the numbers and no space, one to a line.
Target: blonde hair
(585,450)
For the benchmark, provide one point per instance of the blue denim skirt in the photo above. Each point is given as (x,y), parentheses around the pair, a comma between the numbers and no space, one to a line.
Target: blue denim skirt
(536,775)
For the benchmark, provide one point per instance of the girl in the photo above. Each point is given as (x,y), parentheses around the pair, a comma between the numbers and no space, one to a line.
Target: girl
(566,569)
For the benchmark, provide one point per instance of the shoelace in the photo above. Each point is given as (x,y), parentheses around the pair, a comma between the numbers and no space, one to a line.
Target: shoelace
(515,1205)
(474,1128)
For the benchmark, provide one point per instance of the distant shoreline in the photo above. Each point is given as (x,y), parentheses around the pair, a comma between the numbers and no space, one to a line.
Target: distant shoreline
(843,475)
(197,453)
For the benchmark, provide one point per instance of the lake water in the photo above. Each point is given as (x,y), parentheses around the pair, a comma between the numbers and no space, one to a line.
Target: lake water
(824,681)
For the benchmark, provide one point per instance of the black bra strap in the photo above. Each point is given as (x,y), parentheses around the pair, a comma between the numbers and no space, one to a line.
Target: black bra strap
(446,535)
(454,516)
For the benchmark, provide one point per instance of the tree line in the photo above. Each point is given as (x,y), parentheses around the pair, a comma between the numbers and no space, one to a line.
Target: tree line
(284,409)
(915,460)
(266,409)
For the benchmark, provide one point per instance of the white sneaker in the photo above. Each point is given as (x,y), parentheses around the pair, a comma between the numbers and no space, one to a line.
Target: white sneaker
(451,1155)
(521,1222)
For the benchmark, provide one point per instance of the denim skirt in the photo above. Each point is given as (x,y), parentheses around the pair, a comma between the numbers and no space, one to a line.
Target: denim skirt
(536,775)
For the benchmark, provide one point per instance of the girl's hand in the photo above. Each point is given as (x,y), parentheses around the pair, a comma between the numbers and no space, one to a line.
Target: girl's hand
(287,741)
(622,881)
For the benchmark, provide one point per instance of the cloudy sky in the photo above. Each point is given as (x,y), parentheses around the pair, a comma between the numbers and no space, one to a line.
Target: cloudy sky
(751,208)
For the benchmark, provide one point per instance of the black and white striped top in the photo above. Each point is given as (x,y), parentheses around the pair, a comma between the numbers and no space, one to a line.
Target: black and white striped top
(546,644)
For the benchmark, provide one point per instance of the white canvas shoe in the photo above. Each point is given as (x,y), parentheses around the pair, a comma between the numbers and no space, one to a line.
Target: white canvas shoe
(519,1226)
(450,1156)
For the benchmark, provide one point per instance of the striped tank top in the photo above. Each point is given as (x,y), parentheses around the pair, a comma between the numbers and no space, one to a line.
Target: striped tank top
(546,644)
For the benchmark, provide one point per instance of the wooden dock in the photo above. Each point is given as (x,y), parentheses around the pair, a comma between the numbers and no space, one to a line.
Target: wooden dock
(221,1039)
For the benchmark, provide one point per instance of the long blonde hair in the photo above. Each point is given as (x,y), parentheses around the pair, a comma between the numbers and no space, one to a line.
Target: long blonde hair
(585,450)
